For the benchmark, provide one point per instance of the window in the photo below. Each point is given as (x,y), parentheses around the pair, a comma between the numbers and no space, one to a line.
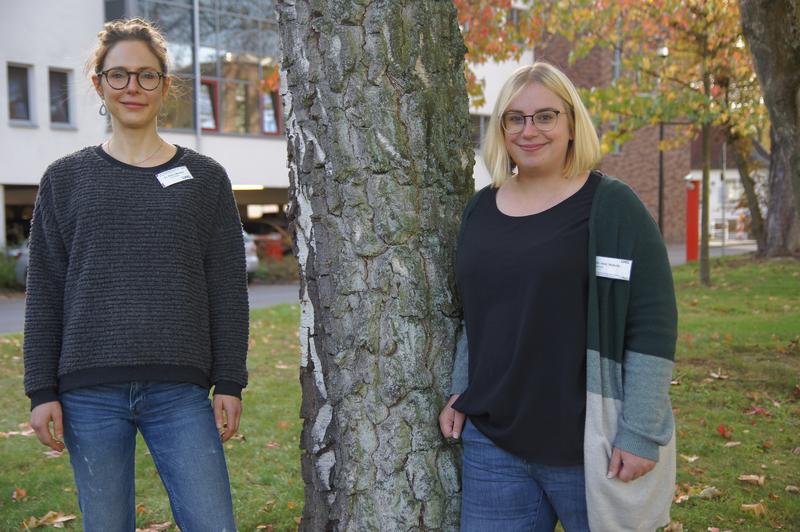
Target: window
(479,125)
(59,97)
(19,97)
(238,56)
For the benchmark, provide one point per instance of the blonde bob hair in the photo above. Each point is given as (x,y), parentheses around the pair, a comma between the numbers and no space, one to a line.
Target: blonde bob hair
(583,151)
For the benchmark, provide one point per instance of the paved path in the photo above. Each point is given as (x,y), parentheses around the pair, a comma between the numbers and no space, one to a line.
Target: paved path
(677,253)
(12,308)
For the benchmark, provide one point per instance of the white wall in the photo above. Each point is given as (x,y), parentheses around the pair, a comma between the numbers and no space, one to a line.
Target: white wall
(248,160)
(49,33)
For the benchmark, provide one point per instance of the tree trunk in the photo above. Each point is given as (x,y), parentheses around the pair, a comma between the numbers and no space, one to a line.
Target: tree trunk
(742,148)
(783,229)
(705,267)
(380,165)
(772,28)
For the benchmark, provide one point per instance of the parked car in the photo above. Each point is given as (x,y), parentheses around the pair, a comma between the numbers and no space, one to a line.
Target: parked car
(250,255)
(21,253)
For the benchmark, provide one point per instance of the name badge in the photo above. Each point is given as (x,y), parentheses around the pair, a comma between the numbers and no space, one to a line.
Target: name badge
(175,175)
(613,268)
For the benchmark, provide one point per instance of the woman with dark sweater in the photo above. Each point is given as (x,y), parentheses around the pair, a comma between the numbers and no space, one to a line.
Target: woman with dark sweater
(561,377)
(137,303)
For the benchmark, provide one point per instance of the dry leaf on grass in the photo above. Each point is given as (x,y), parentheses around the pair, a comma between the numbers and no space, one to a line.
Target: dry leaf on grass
(674,526)
(53,454)
(732,443)
(19,494)
(268,528)
(753,479)
(690,459)
(757,508)
(51,518)
(155,527)
(716,529)
(709,493)
(792,489)
(718,375)
(725,432)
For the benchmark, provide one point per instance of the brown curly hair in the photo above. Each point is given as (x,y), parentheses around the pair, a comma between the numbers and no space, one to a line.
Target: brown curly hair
(134,29)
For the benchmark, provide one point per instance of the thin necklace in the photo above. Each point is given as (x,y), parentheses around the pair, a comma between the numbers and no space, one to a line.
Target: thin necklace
(160,145)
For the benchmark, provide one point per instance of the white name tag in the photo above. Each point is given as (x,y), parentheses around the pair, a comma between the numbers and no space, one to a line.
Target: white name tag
(175,175)
(613,268)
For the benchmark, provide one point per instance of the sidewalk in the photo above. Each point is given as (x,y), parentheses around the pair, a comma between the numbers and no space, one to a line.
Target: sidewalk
(677,252)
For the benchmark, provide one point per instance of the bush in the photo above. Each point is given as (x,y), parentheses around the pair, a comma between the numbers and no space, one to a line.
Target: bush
(8,278)
(274,271)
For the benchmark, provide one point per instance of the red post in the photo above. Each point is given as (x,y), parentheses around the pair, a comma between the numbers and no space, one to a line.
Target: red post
(692,219)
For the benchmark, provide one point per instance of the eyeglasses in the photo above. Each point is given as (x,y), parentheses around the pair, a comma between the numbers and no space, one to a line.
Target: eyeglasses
(544,120)
(118,78)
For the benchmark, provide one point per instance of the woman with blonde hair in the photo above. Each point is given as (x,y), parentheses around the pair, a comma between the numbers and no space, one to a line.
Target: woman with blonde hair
(137,303)
(561,376)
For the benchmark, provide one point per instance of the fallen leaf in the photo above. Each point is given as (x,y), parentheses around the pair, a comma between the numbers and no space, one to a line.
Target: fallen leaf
(282,366)
(273,445)
(673,526)
(690,459)
(756,411)
(757,508)
(724,431)
(268,506)
(796,450)
(291,505)
(675,382)
(791,489)
(709,493)
(19,494)
(140,508)
(718,374)
(269,528)
(238,437)
(752,479)
(53,454)
(767,444)
(155,527)
(716,529)
(51,518)
(282,424)
(681,498)
(732,443)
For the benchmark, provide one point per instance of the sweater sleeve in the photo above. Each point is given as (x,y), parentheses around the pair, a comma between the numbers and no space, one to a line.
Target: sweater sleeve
(650,335)
(44,303)
(226,281)
(460,378)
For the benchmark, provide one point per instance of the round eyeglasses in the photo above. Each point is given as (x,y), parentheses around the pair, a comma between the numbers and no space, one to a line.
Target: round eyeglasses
(545,120)
(118,78)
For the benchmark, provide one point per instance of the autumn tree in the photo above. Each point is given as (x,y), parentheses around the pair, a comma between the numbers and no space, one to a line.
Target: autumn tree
(380,168)
(772,29)
(676,61)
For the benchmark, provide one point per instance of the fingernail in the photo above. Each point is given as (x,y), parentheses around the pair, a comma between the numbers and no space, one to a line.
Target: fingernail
(456,435)
(609,475)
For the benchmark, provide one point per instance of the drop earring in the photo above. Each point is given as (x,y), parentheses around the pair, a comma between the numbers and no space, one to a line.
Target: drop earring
(103,111)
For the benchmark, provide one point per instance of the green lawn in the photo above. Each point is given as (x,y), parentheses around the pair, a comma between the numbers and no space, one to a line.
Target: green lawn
(738,370)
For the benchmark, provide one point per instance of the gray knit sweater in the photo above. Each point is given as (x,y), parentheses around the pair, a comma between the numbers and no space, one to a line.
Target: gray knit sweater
(131,280)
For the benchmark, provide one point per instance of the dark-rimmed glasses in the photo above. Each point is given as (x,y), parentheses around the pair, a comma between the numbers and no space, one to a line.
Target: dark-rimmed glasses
(513,122)
(118,78)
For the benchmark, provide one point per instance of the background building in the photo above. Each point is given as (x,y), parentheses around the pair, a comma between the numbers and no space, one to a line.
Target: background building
(226,103)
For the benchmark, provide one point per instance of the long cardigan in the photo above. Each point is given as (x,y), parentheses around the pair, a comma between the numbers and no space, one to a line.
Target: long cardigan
(631,332)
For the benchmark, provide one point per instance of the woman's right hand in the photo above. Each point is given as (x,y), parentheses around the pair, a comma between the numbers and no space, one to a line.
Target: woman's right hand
(451,420)
(41,417)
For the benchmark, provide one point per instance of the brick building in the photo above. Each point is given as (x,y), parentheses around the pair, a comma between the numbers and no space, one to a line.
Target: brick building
(636,161)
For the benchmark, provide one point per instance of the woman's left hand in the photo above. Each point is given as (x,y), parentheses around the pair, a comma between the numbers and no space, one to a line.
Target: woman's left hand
(626,466)
(227,411)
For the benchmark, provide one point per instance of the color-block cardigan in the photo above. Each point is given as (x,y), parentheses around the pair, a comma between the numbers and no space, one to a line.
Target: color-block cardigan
(631,334)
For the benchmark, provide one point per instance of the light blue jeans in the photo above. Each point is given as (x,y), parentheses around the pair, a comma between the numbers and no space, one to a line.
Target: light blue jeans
(177,423)
(504,492)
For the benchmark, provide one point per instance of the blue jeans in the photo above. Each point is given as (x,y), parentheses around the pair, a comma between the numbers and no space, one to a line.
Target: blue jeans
(177,423)
(504,492)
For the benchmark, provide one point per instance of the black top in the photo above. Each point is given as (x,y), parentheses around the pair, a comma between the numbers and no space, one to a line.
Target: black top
(523,282)
(132,280)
